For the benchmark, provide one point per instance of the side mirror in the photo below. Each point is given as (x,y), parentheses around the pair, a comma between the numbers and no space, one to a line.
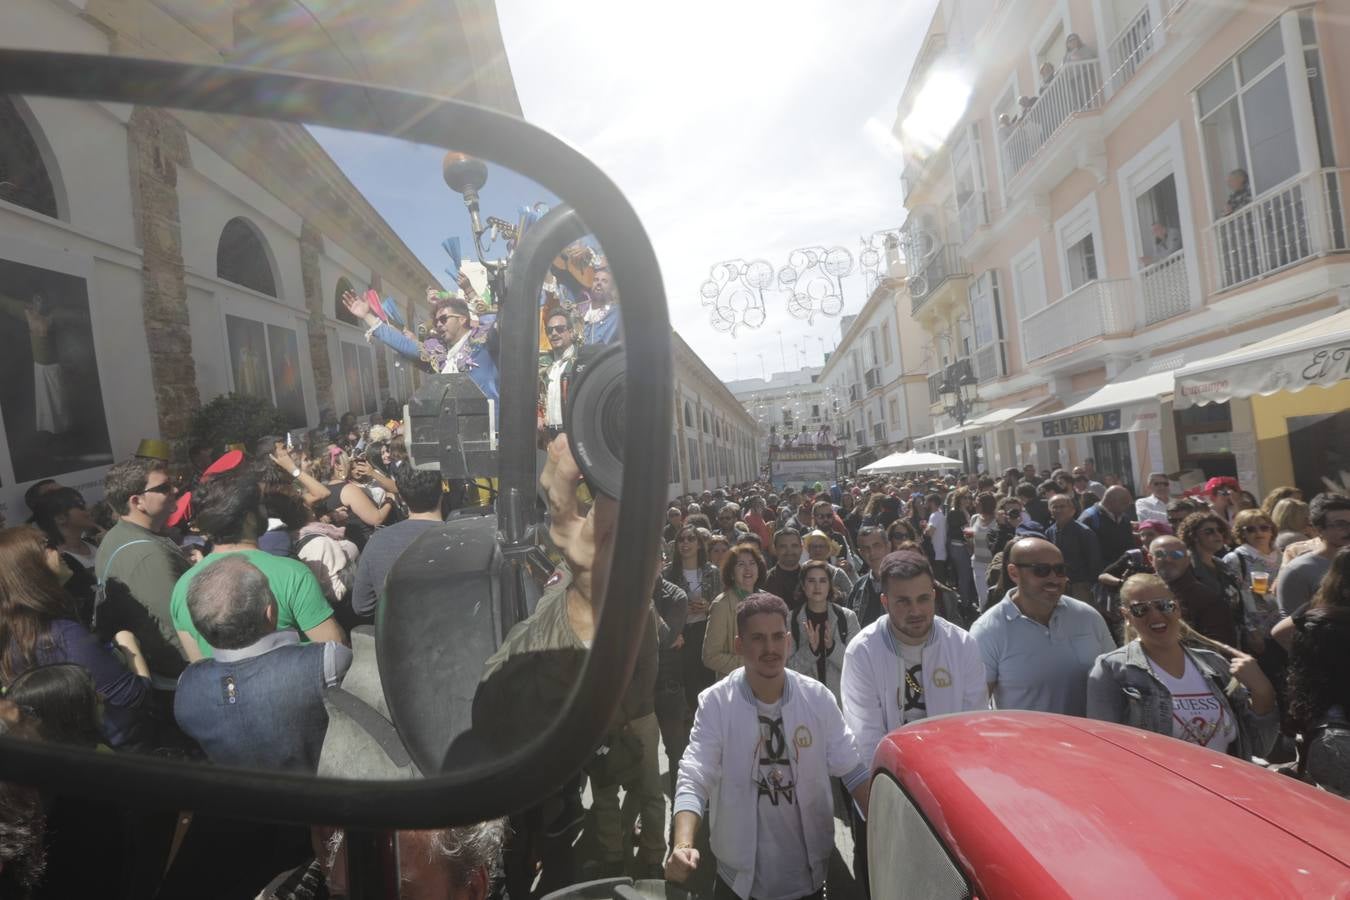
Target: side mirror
(462,789)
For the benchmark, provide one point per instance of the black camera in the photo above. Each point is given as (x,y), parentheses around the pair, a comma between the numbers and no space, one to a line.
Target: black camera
(593,416)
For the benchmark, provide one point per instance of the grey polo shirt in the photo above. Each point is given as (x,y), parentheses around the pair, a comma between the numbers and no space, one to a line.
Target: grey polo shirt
(1041,668)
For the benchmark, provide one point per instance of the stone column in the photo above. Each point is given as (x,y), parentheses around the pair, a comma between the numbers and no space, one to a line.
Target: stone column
(311,245)
(158,146)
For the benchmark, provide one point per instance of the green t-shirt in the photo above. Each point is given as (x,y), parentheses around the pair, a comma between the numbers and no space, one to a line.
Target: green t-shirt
(300,602)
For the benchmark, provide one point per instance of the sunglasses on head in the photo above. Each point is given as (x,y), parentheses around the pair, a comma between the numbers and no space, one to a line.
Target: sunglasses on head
(1043,570)
(1139,610)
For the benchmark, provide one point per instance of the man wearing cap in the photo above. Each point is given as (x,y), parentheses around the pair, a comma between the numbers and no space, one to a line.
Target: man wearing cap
(470,350)
(602,321)
(138,565)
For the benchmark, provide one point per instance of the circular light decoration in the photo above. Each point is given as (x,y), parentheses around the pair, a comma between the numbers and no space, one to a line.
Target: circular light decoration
(815,276)
(735,293)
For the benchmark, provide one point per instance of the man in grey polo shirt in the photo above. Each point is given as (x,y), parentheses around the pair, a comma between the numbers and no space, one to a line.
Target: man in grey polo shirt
(1038,645)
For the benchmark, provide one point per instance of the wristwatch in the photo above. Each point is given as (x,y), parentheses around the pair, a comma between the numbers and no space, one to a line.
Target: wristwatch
(295,473)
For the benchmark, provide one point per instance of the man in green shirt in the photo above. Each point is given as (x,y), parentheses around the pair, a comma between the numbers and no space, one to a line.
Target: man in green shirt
(140,566)
(229,510)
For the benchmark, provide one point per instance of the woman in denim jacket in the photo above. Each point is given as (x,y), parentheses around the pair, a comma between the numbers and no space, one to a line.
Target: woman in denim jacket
(1158,683)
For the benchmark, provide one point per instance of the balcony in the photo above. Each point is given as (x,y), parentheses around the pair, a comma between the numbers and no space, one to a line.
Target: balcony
(991,361)
(1097,309)
(1165,288)
(1301,219)
(872,379)
(935,388)
(932,280)
(1130,48)
(1076,88)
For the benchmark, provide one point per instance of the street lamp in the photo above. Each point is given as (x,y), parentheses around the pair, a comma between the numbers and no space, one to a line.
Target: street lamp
(959,393)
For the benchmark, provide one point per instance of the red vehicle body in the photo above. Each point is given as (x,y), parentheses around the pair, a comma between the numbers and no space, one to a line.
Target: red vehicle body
(1038,805)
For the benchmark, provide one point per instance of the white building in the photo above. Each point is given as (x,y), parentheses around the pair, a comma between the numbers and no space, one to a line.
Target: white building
(877,377)
(713,442)
(788,403)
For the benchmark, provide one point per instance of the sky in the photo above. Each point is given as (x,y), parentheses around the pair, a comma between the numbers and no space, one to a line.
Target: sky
(738,130)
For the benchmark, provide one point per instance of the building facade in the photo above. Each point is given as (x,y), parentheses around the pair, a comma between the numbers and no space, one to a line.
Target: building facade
(1134,186)
(792,404)
(876,376)
(193,255)
(713,443)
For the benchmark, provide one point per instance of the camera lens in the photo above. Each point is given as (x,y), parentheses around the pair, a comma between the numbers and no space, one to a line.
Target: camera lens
(594,417)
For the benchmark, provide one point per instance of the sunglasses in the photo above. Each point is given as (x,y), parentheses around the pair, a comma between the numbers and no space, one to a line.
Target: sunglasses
(167,487)
(1223,492)
(1043,570)
(1014,512)
(441,320)
(1261,527)
(559,329)
(1170,554)
(1139,610)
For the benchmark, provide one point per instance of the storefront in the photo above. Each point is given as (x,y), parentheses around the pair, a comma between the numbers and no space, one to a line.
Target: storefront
(1293,391)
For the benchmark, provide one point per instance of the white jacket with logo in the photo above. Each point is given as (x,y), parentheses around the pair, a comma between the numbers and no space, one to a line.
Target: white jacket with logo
(953,679)
(719,765)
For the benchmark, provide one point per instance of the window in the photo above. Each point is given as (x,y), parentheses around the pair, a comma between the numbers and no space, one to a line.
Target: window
(1159,222)
(1029,282)
(894,407)
(688,415)
(241,257)
(886,342)
(988,327)
(706,425)
(871,348)
(674,459)
(1082,262)
(24,179)
(692,445)
(1247,122)
(340,311)
(815,410)
(358,370)
(968,176)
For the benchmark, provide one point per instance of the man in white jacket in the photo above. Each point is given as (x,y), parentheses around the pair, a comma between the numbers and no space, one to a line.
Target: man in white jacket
(910,663)
(765,744)
(907,665)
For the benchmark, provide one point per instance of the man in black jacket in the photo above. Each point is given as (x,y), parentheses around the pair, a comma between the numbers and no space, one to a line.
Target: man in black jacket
(1082,552)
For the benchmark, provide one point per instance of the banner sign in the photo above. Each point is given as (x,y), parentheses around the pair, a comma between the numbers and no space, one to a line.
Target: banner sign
(1105,420)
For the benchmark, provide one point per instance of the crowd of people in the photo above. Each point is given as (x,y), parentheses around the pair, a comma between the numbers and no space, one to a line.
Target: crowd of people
(204,613)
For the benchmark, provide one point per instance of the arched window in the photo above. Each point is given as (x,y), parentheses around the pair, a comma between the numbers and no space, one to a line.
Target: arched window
(24,179)
(241,257)
(340,309)
(688,415)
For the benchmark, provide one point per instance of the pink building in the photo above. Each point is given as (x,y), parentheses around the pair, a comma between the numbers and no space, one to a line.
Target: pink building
(1132,187)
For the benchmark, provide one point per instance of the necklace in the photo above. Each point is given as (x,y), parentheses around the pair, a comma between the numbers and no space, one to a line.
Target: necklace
(914,687)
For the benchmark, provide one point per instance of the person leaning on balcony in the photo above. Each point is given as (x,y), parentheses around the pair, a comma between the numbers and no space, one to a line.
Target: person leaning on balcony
(1075,50)
(1047,75)
(1166,241)
(1239,191)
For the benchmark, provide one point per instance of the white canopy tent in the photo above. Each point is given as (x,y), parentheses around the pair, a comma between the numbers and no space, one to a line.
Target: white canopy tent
(909,461)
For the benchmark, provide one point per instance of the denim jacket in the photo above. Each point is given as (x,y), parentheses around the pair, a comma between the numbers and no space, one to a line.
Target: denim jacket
(1122,688)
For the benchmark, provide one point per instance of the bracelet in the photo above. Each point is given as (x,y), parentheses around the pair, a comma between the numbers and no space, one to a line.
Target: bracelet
(684,846)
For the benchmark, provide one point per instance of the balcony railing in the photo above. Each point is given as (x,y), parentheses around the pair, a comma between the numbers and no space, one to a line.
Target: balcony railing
(1165,288)
(1300,219)
(1131,47)
(973,212)
(872,378)
(1094,310)
(946,263)
(935,388)
(1075,88)
(991,361)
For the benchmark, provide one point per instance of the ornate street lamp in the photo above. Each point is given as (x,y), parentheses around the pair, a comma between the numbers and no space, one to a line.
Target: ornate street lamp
(959,393)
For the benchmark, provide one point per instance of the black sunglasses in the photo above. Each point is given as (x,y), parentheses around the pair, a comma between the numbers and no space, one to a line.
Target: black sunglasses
(1043,570)
(441,320)
(559,329)
(167,487)
(1139,610)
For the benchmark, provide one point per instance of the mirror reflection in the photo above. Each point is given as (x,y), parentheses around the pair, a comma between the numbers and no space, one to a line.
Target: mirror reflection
(261,384)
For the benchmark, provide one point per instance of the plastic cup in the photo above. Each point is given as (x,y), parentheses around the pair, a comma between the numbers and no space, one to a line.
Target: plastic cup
(1260,582)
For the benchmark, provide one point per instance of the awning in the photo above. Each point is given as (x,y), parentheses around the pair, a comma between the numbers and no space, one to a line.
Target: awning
(910,461)
(954,431)
(997,417)
(1314,354)
(1130,402)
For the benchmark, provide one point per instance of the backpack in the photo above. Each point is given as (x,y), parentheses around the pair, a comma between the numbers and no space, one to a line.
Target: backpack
(101,587)
(840,626)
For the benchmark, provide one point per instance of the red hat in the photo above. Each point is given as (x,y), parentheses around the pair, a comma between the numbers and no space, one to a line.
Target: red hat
(1224,481)
(1154,525)
(182,510)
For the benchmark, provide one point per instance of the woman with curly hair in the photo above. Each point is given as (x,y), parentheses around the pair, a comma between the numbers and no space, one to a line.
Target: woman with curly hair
(899,532)
(691,572)
(1319,689)
(821,627)
(1207,538)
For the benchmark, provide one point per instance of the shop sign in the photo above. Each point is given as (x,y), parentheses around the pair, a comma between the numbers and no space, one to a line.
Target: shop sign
(1106,420)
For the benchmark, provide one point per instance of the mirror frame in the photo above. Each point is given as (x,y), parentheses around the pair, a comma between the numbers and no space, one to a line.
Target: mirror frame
(521,779)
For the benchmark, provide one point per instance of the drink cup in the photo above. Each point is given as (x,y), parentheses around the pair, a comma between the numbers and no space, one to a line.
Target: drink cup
(1260,582)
